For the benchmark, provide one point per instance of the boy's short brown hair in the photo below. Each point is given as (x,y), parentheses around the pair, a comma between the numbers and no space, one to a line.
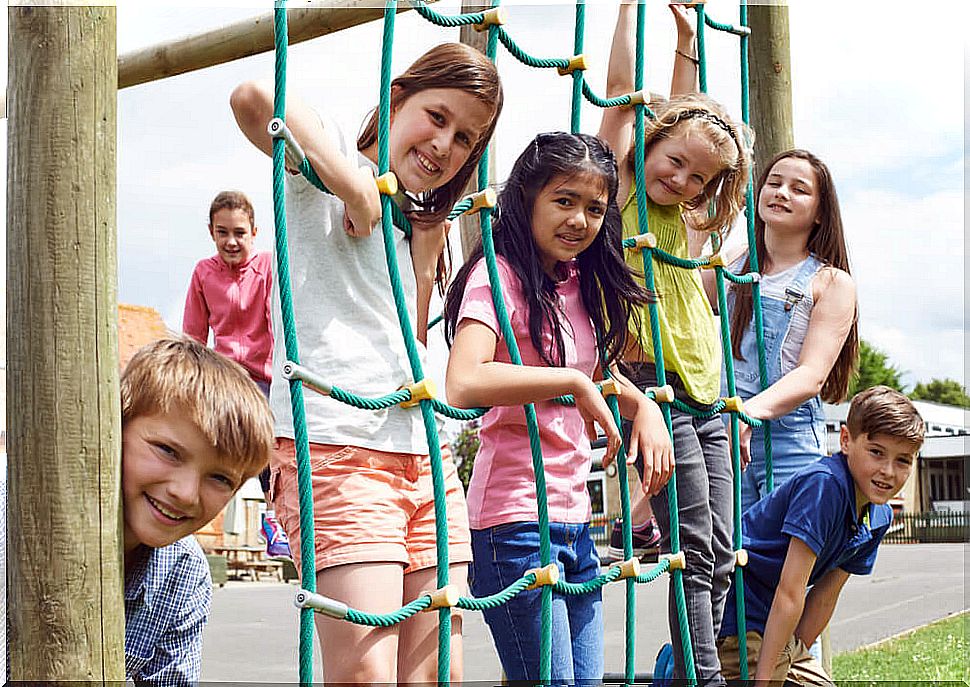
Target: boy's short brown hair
(881,410)
(181,375)
(232,200)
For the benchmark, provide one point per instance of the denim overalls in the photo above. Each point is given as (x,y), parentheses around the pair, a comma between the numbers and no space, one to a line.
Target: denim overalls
(798,438)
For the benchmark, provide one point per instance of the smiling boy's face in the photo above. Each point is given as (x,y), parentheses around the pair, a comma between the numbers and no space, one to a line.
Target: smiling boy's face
(879,464)
(173,480)
(233,233)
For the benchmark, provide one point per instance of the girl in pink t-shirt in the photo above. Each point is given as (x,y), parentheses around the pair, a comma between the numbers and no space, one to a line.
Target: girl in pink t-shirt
(558,246)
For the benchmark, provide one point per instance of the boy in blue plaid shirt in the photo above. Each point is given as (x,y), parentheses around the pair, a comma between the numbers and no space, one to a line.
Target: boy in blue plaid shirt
(194,428)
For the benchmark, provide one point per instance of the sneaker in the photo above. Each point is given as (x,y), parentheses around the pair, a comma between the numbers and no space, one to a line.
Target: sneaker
(277,543)
(646,540)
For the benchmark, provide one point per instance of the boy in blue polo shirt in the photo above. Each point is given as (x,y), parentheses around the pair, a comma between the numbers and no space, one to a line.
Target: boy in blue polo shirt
(815,530)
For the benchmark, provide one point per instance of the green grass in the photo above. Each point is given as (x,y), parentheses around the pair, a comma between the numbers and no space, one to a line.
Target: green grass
(939,651)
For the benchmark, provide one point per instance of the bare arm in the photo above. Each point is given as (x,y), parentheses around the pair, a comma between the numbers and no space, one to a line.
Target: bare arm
(427,243)
(786,607)
(616,126)
(832,317)
(252,105)
(684,76)
(820,605)
(475,379)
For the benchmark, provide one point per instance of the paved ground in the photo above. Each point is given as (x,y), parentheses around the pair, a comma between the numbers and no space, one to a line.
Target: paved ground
(252,635)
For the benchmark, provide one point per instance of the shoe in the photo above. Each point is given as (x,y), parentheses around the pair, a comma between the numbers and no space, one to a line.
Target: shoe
(277,543)
(646,540)
(663,669)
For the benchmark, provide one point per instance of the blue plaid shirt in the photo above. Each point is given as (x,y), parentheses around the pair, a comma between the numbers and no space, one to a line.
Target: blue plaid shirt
(167,595)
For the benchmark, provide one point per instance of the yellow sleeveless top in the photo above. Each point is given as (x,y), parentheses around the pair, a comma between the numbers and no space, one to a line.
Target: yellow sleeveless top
(688,331)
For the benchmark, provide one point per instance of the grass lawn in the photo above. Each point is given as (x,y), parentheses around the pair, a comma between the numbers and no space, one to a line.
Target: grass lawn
(936,652)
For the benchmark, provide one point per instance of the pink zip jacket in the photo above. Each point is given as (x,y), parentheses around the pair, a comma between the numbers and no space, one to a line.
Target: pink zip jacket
(235,303)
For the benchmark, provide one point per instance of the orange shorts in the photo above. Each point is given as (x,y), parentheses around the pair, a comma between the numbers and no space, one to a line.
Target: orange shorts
(369,506)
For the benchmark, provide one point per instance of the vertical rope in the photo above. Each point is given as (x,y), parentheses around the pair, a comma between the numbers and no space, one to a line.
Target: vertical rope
(578,74)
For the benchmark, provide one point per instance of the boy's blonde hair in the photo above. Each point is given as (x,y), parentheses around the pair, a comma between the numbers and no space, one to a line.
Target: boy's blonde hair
(696,114)
(881,410)
(180,375)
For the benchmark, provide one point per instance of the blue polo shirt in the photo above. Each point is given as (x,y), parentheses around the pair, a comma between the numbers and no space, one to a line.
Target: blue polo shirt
(817,505)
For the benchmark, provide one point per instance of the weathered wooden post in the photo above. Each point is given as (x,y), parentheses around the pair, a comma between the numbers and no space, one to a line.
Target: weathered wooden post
(771,108)
(66,612)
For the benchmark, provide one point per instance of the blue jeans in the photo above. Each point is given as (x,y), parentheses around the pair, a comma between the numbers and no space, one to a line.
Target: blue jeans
(704,498)
(501,555)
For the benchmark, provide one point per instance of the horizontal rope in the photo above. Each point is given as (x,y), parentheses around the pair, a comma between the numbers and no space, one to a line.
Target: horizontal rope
(388,619)
(525,58)
(495,600)
(727,28)
(577,588)
(702,414)
(444,20)
(457,413)
(748,278)
(363,403)
(604,102)
(656,571)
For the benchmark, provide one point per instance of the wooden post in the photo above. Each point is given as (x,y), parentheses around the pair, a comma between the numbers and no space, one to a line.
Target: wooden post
(471,225)
(66,612)
(770,69)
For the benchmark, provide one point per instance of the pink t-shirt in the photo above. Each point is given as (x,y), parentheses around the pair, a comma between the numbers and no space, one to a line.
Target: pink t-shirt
(234,303)
(502,487)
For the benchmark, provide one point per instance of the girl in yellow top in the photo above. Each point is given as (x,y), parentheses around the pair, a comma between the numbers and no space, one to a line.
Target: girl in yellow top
(694,155)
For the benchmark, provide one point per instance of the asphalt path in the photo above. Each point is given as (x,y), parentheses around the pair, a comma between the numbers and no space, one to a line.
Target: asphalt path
(253,629)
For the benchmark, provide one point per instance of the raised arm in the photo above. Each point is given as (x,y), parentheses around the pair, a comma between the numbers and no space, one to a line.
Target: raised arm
(786,607)
(252,105)
(684,76)
(616,126)
(475,379)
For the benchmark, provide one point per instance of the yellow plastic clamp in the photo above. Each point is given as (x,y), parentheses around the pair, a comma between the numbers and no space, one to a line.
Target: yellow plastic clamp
(493,17)
(733,404)
(663,394)
(446,597)
(483,199)
(610,387)
(544,576)
(716,260)
(678,561)
(637,98)
(387,183)
(641,241)
(741,557)
(420,391)
(575,62)
(630,568)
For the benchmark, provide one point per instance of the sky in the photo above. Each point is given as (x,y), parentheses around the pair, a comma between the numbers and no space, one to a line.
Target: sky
(878,93)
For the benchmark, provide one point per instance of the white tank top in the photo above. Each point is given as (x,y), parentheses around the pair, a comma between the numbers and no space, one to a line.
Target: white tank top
(774,286)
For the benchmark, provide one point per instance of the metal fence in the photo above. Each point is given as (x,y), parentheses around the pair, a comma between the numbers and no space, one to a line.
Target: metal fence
(932,527)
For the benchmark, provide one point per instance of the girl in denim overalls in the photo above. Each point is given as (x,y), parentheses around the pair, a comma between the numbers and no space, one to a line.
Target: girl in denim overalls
(809,310)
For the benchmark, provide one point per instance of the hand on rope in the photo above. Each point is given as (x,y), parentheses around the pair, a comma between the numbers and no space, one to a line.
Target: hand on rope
(686,27)
(363,213)
(649,437)
(428,241)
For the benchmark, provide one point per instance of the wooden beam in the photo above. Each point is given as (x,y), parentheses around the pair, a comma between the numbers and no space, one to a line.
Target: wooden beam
(65,604)
(771,109)
(243,39)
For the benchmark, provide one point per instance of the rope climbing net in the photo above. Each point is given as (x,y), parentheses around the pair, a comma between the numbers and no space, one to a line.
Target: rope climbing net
(420,395)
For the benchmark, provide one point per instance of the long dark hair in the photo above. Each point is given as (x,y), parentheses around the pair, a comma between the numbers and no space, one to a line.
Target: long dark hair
(606,284)
(826,241)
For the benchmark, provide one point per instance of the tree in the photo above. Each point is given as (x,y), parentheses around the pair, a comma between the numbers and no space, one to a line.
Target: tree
(948,391)
(874,369)
(464,448)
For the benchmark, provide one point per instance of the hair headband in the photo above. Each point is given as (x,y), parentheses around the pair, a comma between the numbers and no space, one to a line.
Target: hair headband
(709,116)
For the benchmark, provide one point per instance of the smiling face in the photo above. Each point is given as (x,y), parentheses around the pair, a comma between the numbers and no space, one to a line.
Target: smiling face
(172,479)
(433,133)
(678,167)
(789,199)
(233,233)
(879,464)
(566,217)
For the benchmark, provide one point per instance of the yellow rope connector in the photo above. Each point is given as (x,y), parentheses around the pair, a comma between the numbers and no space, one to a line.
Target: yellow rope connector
(663,394)
(575,62)
(493,17)
(446,597)
(641,241)
(483,199)
(637,98)
(733,404)
(716,260)
(544,576)
(387,183)
(610,387)
(678,561)
(630,568)
(420,391)
(741,558)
